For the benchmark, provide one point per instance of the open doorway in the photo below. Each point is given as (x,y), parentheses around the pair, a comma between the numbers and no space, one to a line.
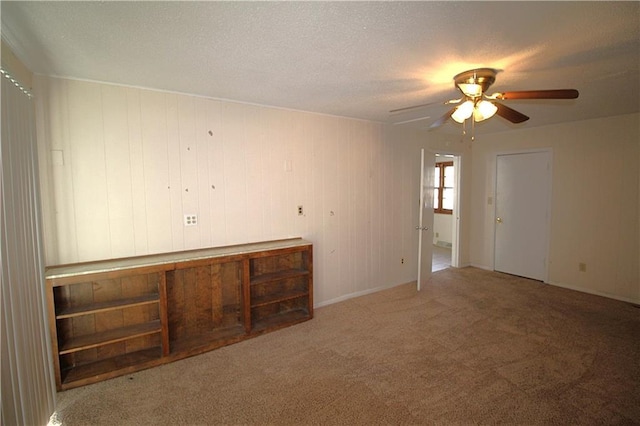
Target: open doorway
(445,213)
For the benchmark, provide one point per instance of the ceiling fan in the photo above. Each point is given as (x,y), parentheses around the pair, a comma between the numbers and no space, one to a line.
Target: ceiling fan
(477,105)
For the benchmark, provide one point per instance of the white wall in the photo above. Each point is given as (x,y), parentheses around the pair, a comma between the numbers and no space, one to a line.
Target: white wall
(595,202)
(442,227)
(137,160)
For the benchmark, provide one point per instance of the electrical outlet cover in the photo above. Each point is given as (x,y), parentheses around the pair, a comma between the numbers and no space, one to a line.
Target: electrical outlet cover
(190,220)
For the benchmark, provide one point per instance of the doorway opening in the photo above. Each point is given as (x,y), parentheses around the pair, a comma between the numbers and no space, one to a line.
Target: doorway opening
(445,212)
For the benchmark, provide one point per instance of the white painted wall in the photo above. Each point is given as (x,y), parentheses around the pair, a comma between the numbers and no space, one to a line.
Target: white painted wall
(595,202)
(137,160)
(442,226)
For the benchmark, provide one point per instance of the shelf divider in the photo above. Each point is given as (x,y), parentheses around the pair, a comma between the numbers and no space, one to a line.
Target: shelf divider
(277,297)
(95,340)
(280,275)
(109,367)
(108,306)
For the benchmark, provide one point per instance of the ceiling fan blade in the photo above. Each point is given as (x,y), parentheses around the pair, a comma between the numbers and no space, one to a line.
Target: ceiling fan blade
(451,101)
(538,94)
(510,114)
(440,121)
(394,111)
(411,120)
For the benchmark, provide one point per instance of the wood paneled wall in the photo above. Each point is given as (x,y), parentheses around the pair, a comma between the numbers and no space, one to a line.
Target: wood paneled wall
(121,167)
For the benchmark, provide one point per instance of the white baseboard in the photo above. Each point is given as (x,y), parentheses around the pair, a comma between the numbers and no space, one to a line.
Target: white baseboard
(570,287)
(357,294)
(594,292)
(485,267)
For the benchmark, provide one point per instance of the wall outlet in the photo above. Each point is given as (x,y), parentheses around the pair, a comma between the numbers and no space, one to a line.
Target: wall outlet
(582,267)
(402,260)
(300,211)
(437,234)
(190,219)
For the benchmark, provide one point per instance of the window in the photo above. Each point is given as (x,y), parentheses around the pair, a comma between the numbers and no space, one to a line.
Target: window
(443,188)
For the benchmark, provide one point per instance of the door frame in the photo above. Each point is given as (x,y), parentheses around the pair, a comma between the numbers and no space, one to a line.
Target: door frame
(549,151)
(455,231)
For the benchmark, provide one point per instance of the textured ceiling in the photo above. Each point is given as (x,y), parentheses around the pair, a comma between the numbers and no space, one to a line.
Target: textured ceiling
(353,59)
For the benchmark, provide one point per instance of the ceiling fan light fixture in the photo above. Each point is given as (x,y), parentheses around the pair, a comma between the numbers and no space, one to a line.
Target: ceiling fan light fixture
(463,112)
(484,110)
(479,106)
(472,90)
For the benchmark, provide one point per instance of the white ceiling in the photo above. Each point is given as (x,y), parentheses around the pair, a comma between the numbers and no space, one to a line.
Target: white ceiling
(353,59)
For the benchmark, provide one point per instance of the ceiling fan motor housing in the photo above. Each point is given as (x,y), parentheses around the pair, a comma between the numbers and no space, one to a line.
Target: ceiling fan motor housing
(482,77)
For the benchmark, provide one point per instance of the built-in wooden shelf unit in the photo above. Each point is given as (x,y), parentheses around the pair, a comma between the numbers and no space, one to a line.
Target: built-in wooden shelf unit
(113,317)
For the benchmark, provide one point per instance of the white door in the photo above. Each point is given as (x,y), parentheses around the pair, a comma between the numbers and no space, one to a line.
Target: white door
(523,189)
(425,217)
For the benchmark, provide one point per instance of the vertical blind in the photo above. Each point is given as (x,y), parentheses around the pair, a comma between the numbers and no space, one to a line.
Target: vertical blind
(28,389)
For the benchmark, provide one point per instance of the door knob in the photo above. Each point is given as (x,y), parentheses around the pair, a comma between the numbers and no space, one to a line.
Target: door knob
(499,219)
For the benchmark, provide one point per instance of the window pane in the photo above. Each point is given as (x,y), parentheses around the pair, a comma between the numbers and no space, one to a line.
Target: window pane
(447,199)
(448,176)
(436,205)
(437,177)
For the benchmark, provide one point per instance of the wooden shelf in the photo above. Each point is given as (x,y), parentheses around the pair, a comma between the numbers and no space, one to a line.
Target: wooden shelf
(157,309)
(213,338)
(280,320)
(280,292)
(277,276)
(95,340)
(108,306)
(110,367)
(277,297)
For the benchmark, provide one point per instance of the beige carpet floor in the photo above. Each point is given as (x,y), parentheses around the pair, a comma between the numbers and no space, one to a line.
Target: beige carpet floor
(473,347)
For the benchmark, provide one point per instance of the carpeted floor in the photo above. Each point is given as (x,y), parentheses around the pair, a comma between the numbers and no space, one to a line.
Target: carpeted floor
(474,347)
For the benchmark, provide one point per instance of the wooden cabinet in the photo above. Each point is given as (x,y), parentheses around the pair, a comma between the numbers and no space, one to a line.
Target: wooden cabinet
(207,307)
(106,322)
(280,289)
(110,318)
